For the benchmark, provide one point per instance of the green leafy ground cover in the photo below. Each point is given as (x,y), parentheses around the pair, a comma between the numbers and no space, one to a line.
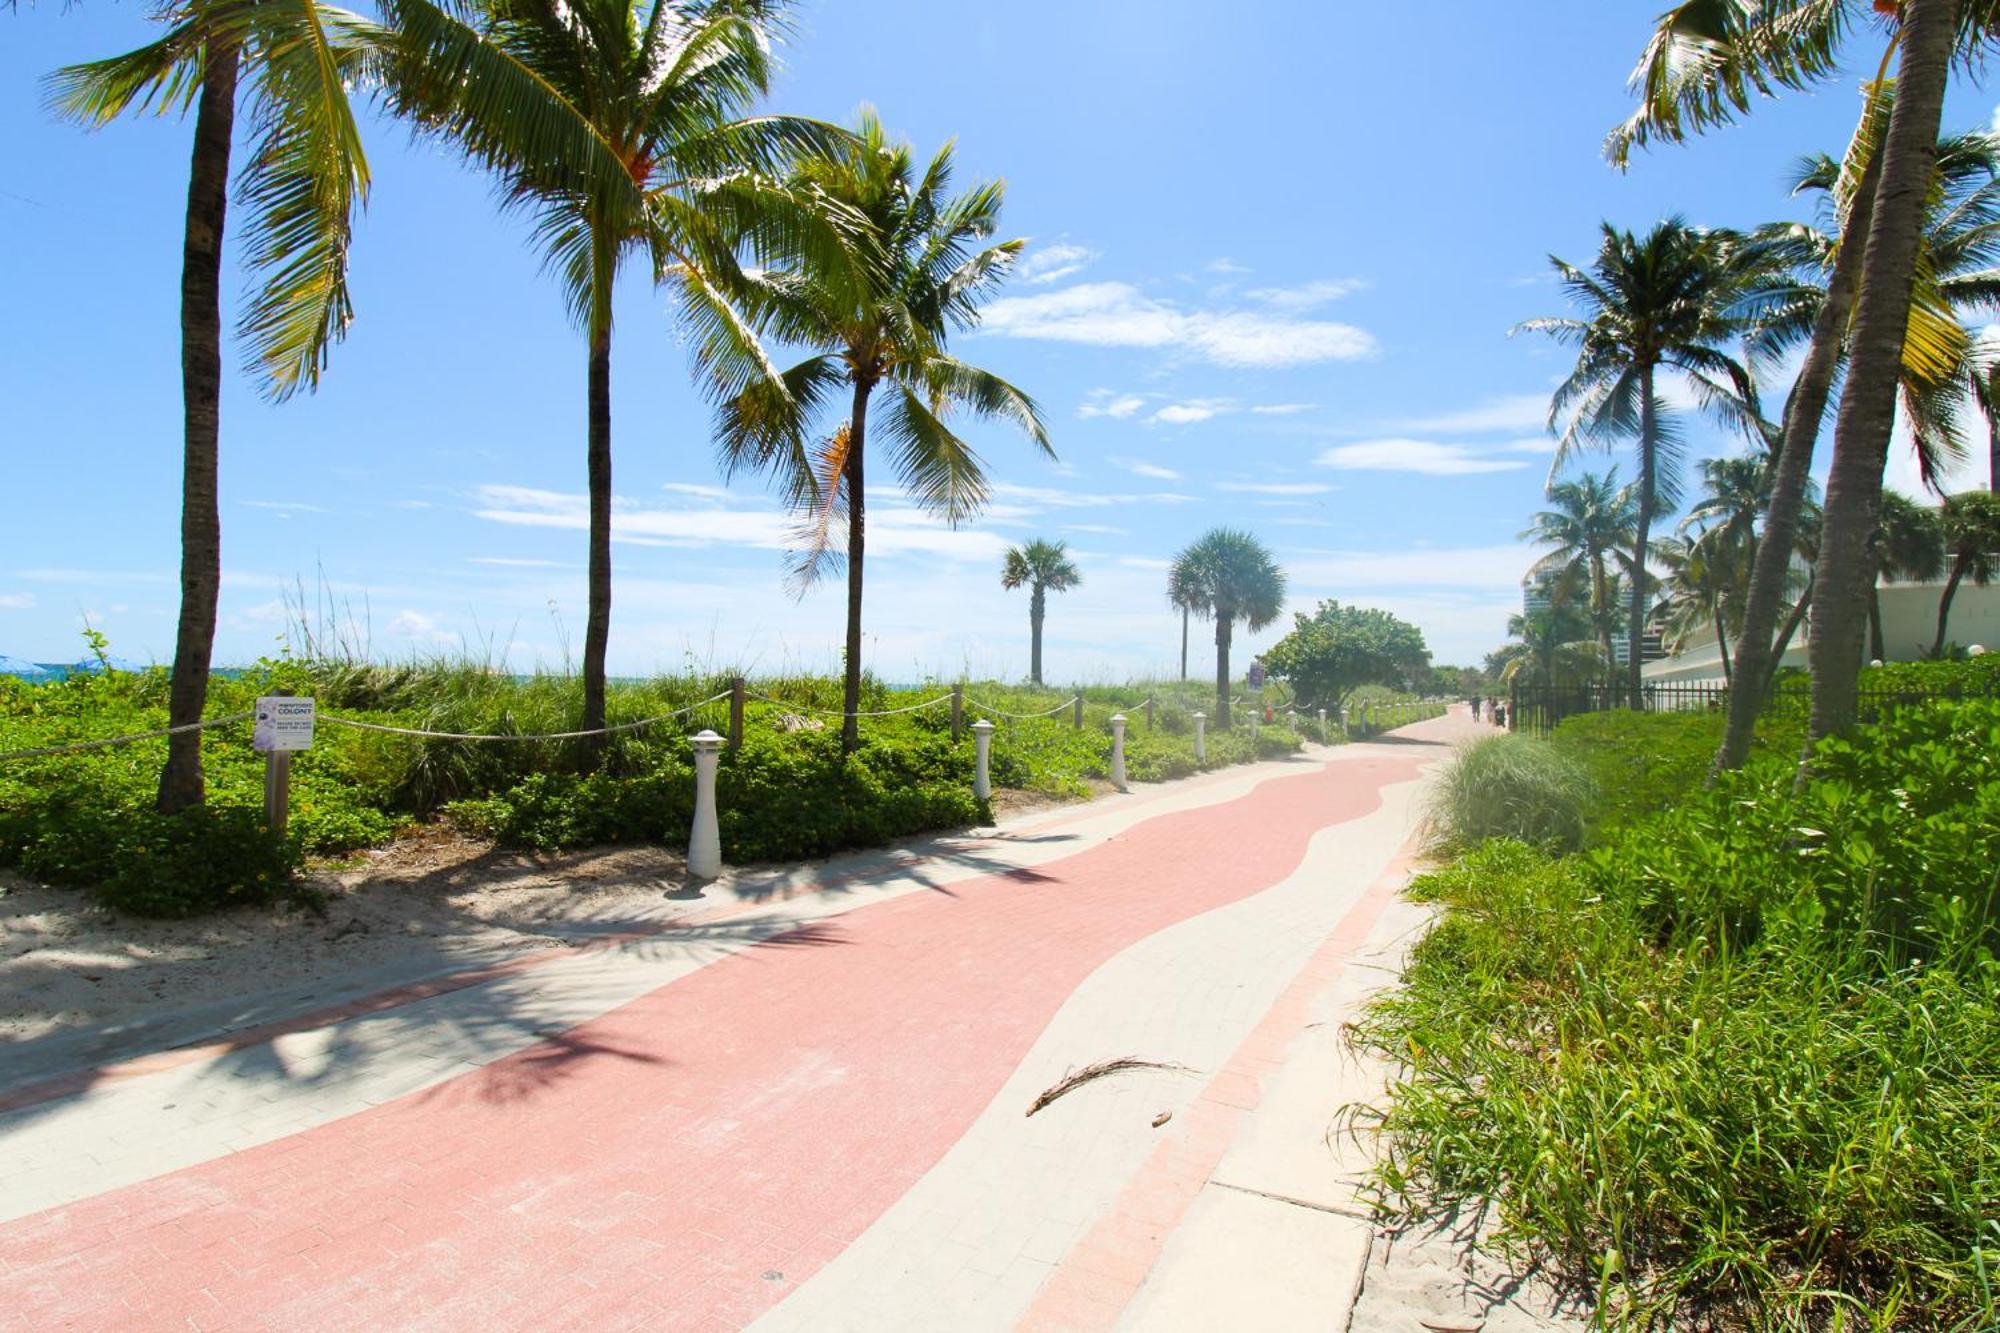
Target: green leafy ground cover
(86,820)
(1735,1063)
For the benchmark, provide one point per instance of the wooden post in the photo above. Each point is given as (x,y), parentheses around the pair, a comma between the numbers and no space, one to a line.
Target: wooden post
(1149,712)
(278,788)
(1078,715)
(957,711)
(736,687)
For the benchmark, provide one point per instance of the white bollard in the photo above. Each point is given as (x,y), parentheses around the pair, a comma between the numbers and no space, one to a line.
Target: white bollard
(982,744)
(1976,650)
(1322,728)
(1292,720)
(1118,751)
(1200,737)
(705,842)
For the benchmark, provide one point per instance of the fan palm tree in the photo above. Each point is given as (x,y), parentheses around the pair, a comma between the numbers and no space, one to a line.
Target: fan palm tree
(1184,595)
(1231,576)
(1708,61)
(618,126)
(1970,524)
(303,177)
(1909,544)
(1662,302)
(879,318)
(1042,567)
(1591,520)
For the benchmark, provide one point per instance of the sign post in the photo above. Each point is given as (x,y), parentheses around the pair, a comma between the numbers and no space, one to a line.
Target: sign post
(284,725)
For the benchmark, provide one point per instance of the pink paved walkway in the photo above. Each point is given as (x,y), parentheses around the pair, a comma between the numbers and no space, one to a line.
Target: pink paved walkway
(650,1167)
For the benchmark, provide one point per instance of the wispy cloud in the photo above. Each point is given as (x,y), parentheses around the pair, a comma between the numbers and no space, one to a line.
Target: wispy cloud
(511,562)
(1053,262)
(1406,455)
(1191,411)
(1117,314)
(411,504)
(1275,487)
(1106,403)
(17,601)
(1097,529)
(1308,296)
(1509,412)
(1138,467)
(1084,499)
(284,508)
(1225,266)
(1460,567)
(1282,409)
(692,488)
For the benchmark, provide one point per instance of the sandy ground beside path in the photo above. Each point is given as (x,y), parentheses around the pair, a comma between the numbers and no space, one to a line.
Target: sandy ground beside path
(419,907)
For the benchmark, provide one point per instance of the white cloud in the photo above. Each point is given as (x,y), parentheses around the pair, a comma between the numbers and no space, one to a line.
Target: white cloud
(1140,468)
(1195,409)
(508,562)
(1282,409)
(1310,296)
(17,601)
(1097,529)
(1117,314)
(1105,403)
(417,625)
(1084,499)
(690,488)
(1488,567)
(1404,455)
(1050,263)
(1275,487)
(1534,444)
(1225,266)
(1509,412)
(284,508)
(411,504)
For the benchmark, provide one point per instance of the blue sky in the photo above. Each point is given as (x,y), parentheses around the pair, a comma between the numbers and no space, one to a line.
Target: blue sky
(1276,249)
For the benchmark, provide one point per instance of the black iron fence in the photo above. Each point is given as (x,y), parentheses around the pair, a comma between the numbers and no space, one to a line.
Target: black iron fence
(1536,709)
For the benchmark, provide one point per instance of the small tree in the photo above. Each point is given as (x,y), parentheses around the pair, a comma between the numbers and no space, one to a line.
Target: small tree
(1337,648)
(1972,535)
(1042,567)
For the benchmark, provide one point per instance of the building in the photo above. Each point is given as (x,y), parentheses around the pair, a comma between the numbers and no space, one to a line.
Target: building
(1909,623)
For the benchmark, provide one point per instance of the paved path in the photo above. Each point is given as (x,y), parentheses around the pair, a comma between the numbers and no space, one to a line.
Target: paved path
(805,1104)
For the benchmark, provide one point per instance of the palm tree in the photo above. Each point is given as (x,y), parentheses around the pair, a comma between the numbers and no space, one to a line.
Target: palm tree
(1971,529)
(1909,544)
(1548,649)
(1230,576)
(618,126)
(1591,519)
(879,318)
(1042,567)
(1664,301)
(1184,595)
(301,182)
(1708,62)
(1703,572)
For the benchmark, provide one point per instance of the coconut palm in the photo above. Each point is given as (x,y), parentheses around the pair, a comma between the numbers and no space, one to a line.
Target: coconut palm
(878,318)
(1909,544)
(1231,576)
(1970,524)
(618,126)
(1042,567)
(1664,302)
(1707,62)
(1984,379)
(1703,573)
(1184,595)
(304,174)
(1549,649)
(1590,521)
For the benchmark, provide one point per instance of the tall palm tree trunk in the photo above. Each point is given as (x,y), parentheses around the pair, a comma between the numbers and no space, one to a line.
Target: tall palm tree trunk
(1184,640)
(1993,453)
(1600,610)
(1222,627)
(597,630)
(1792,622)
(1037,601)
(1722,644)
(1635,638)
(1867,407)
(1944,604)
(201,408)
(857,546)
(1804,408)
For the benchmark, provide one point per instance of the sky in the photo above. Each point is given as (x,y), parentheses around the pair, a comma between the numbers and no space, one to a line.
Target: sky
(1275,252)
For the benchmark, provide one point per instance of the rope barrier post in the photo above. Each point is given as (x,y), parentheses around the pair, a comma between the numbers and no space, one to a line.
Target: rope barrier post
(1078,722)
(1118,751)
(1200,737)
(1149,713)
(957,712)
(278,787)
(1322,728)
(982,741)
(737,686)
(705,840)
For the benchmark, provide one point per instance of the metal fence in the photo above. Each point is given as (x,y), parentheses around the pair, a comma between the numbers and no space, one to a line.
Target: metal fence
(1536,710)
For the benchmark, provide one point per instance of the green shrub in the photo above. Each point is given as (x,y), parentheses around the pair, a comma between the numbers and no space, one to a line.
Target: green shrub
(1743,1057)
(1504,786)
(139,861)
